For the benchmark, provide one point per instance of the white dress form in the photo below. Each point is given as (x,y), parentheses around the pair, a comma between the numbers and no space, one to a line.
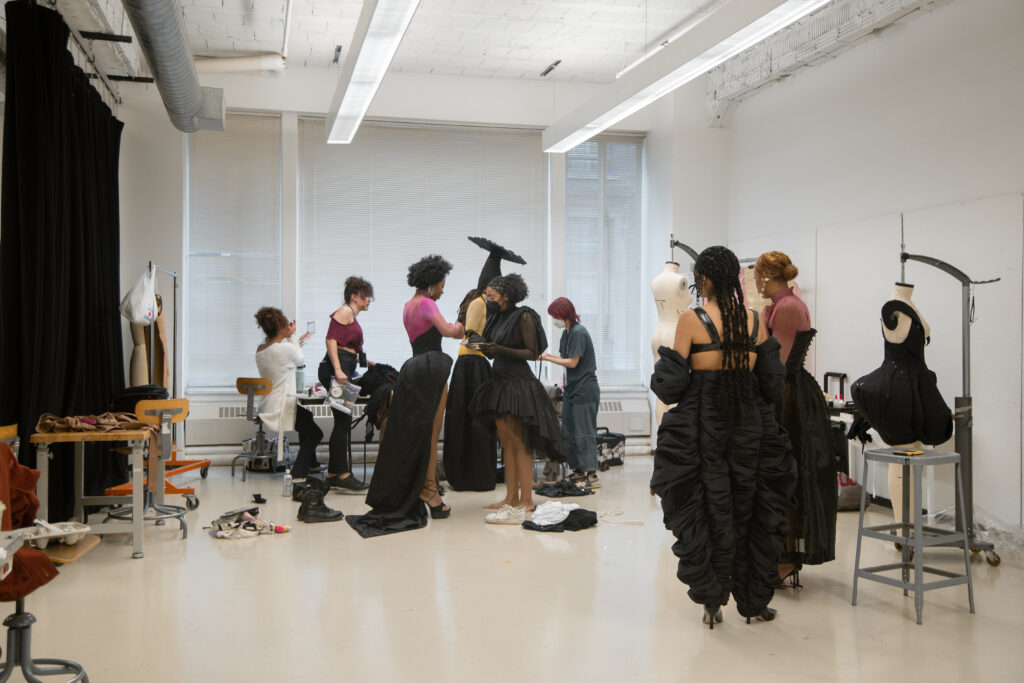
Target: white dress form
(902,292)
(672,297)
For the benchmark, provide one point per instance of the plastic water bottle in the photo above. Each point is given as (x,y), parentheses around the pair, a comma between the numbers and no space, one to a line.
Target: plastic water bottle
(287,484)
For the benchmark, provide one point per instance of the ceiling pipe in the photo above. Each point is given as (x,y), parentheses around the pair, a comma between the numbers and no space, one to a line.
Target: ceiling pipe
(160,28)
(287,29)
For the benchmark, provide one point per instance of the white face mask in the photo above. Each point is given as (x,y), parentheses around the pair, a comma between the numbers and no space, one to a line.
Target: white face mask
(560,324)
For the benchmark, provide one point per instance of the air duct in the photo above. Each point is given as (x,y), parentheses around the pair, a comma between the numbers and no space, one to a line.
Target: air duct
(160,28)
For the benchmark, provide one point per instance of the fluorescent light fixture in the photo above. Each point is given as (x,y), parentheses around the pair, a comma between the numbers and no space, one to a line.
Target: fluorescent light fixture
(773,21)
(379,31)
(680,31)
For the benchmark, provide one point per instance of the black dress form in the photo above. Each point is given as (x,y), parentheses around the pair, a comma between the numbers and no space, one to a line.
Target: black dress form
(802,413)
(401,468)
(514,389)
(901,399)
(725,488)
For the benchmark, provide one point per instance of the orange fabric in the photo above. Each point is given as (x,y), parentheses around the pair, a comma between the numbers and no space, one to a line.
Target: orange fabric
(31,567)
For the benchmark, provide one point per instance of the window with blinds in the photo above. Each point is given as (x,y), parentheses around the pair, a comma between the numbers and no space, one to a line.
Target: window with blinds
(603,250)
(234,245)
(398,193)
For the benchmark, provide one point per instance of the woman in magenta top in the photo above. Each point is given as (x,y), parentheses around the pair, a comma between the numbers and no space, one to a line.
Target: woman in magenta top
(344,348)
(803,414)
(403,486)
(787,314)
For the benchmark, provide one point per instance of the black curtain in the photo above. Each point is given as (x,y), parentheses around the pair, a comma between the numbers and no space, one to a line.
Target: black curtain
(60,329)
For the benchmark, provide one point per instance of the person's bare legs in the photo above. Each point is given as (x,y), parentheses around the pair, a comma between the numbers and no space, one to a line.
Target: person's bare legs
(430,494)
(508,441)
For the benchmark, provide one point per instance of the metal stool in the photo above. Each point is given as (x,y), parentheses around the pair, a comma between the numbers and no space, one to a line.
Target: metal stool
(259,446)
(923,536)
(163,413)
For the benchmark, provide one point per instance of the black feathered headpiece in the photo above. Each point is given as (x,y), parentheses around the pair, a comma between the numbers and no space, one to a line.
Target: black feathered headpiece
(496,254)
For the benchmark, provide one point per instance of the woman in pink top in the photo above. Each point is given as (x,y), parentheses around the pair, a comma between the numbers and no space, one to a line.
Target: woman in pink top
(403,486)
(804,416)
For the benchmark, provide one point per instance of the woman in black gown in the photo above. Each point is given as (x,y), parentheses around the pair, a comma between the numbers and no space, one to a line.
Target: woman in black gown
(723,466)
(514,397)
(403,485)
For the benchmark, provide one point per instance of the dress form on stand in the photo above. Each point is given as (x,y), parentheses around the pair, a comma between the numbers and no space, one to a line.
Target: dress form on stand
(902,292)
(672,297)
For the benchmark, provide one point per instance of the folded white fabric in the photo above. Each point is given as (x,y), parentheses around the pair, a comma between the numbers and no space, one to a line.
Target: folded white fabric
(552,512)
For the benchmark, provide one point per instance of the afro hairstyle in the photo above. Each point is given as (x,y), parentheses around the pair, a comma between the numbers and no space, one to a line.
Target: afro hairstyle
(429,270)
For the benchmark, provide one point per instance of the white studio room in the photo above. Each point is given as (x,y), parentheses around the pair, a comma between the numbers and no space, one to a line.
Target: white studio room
(482,340)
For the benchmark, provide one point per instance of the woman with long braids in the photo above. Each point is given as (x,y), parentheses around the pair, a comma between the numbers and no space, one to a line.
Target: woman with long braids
(403,486)
(722,466)
(514,398)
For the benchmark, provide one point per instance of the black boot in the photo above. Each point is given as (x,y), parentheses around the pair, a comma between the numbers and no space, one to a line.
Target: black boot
(313,509)
(299,489)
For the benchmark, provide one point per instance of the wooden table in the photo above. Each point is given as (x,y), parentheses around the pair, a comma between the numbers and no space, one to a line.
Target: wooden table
(137,438)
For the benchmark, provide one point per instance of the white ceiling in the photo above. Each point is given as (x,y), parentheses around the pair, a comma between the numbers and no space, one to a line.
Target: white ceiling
(489,38)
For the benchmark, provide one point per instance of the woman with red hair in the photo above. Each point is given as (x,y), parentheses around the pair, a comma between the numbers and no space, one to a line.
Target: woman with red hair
(582,393)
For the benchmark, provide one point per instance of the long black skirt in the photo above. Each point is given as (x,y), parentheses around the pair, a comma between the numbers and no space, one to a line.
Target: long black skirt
(398,476)
(470,446)
(725,490)
(812,523)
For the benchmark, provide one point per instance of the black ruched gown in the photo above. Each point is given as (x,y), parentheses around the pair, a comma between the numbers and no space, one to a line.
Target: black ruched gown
(804,416)
(725,488)
(398,476)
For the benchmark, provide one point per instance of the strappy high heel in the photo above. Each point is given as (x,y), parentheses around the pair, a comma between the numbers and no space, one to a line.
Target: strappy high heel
(436,511)
(767,614)
(712,615)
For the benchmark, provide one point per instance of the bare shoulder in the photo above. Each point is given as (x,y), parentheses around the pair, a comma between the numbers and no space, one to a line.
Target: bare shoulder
(344,315)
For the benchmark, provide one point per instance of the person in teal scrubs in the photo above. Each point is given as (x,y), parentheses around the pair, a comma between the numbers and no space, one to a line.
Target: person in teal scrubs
(582,393)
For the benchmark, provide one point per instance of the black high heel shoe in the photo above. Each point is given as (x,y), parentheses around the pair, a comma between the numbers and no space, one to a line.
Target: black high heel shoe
(437,511)
(767,614)
(712,616)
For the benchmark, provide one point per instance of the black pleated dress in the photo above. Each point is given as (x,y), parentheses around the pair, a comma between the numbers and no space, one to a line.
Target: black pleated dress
(725,488)
(470,444)
(802,413)
(398,476)
(515,390)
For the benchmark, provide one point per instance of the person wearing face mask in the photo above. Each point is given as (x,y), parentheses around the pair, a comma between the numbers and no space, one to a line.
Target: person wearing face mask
(514,398)
(582,393)
(404,486)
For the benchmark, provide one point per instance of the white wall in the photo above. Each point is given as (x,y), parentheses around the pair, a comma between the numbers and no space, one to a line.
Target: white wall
(925,119)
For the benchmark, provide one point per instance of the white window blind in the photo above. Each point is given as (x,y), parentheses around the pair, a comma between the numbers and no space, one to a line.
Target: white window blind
(398,193)
(234,245)
(603,250)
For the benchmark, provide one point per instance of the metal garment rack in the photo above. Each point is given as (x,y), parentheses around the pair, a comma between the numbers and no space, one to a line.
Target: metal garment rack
(964,406)
(174,343)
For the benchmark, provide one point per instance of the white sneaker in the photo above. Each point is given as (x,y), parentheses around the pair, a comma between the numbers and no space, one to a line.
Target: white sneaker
(506,514)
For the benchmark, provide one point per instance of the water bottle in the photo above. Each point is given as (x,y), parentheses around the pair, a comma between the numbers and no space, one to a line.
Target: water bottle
(300,378)
(287,484)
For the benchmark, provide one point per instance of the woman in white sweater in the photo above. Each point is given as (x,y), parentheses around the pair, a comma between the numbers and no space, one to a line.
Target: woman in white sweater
(277,358)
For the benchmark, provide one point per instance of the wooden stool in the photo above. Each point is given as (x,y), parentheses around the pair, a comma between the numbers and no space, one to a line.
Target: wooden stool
(260,446)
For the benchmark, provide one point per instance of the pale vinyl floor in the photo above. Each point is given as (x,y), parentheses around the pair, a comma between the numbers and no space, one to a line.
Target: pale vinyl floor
(465,601)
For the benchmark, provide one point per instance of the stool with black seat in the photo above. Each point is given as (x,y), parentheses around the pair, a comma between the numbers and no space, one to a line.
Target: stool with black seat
(260,446)
(164,413)
(19,624)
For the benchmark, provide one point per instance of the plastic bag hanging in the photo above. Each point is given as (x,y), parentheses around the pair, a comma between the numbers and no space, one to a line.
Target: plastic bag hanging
(139,304)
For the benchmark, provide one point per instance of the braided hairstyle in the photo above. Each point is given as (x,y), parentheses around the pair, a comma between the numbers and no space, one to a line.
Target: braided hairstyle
(717,273)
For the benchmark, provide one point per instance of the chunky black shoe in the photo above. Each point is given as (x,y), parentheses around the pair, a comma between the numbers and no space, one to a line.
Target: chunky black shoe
(313,509)
(347,485)
(298,489)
